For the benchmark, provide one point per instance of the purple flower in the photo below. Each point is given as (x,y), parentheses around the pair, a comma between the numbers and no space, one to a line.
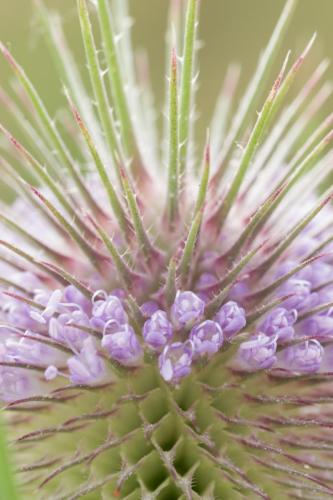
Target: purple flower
(18,314)
(15,383)
(206,280)
(207,338)
(157,330)
(108,308)
(86,367)
(204,284)
(60,329)
(318,325)
(279,322)
(52,303)
(73,296)
(316,273)
(187,308)
(175,361)
(257,353)
(304,358)
(302,297)
(149,308)
(122,344)
(28,350)
(231,319)
(239,290)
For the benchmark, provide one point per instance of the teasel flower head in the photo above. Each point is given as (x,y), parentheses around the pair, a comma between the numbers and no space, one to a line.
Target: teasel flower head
(166,315)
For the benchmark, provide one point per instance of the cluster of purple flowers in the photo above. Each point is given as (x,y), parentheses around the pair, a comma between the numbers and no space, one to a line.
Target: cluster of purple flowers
(186,335)
(286,340)
(74,336)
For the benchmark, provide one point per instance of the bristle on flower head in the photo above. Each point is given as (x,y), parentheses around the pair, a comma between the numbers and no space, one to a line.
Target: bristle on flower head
(167,334)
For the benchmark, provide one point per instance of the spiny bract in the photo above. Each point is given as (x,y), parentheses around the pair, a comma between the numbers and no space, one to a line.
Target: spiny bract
(179,343)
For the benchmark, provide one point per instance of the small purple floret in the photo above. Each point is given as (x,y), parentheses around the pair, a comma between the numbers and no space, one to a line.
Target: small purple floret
(207,338)
(72,295)
(108,308)
(122,344)
(302,297)
(280,322)
(149,308)
(86,367)
(231,318)
(257,353)
(175,361)
(14,383)
(187,309)
(157,330)
(60,329)
(318,325)
(303,358)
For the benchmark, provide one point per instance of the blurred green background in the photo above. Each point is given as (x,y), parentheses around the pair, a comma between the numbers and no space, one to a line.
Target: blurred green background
(232,30)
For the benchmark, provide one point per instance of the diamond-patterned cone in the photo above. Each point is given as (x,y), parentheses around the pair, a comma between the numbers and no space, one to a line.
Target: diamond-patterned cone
(166,320)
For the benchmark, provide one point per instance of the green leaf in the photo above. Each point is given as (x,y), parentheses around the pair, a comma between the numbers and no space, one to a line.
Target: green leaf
(8,488)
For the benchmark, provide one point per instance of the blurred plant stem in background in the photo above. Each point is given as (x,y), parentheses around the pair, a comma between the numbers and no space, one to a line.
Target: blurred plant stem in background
(7,482)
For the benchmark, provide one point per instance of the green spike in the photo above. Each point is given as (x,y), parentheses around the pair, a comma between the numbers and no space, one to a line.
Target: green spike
(33,240)
(87,250)
(233,273)
(69,278)
(171,281)
(289,238)
(172,210)
(255,89)
(112,195)
(142,237)
(65,62)
(189,248)
(252,317)
(251,225)
(49,127)
(267,290)
(315,310)
(291,178)
(289,79)
(103,106)
(12,284)
(20,187)
(46,179)
(114,74)
(122,268)
(186,85)
(229,280)
(249,151)
(202,193)
(32,260)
